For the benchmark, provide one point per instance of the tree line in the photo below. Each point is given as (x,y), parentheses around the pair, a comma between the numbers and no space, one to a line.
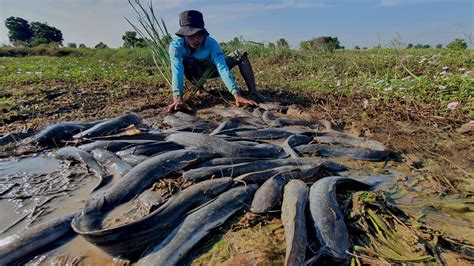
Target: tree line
(23,33)
(456,44)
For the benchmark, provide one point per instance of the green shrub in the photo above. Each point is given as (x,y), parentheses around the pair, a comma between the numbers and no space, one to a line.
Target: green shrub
(457,44)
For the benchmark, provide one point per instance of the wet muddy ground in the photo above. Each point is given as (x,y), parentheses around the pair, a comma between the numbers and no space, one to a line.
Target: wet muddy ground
(39,188)
(428,216)
(363,93)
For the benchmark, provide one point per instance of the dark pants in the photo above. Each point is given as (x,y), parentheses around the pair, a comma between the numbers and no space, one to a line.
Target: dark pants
(194,69)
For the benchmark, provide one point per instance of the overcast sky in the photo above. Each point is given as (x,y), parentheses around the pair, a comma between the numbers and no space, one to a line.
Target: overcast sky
(361,23)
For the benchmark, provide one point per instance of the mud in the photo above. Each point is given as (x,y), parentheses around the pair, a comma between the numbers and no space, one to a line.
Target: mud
(40,164)
(76,251)
(39,188)
(427,198)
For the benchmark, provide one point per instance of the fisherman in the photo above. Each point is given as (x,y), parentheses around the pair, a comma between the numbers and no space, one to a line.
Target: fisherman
(195,53)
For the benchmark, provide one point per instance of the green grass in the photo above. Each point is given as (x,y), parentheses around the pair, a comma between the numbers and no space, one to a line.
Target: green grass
(101,68)
(424,77)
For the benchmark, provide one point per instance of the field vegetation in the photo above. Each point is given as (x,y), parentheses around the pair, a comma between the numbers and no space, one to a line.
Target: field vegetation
(418,102)
(413,85)
(416,99)
(424,78)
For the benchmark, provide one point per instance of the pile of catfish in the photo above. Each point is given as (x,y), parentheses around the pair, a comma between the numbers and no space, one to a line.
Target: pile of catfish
(255,162)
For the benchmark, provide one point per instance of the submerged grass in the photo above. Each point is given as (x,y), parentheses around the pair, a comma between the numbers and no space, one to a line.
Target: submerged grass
(389,235)
(254,244)
(385,237)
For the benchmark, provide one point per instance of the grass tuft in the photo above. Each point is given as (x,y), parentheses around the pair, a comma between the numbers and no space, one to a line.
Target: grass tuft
(154,32)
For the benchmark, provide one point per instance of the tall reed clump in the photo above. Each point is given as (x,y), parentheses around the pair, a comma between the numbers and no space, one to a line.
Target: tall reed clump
(156,35)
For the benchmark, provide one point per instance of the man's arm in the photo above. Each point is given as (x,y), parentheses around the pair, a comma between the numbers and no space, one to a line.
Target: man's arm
(177,68)
(218,59)
(177,80)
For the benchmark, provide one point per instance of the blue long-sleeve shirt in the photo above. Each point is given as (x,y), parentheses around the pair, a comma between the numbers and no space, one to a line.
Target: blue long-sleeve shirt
(209,51)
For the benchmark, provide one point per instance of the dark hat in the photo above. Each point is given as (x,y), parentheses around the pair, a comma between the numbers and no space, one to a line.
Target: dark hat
(191,22)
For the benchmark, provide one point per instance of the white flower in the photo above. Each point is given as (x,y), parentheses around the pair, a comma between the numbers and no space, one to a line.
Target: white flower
(453,106)
(388,89)
(468,74)
(338,83)
(441,87)
(365,103)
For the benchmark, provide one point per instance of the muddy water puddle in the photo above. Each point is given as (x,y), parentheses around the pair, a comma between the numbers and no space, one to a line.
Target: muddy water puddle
(123,214)
(40,164)
(40,188)
(76,251)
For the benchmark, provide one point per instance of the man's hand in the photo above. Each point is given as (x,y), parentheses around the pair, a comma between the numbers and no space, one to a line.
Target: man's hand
(178,104)
(239,100)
